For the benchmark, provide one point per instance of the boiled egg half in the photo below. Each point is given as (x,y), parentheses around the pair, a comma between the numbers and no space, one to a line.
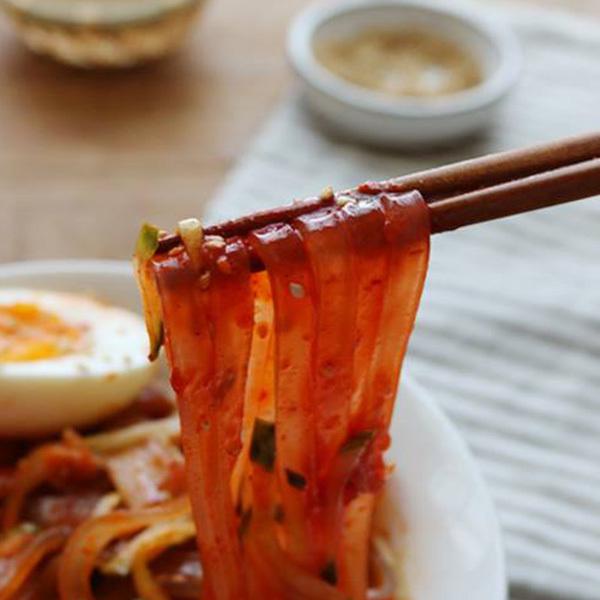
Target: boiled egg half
(66,360)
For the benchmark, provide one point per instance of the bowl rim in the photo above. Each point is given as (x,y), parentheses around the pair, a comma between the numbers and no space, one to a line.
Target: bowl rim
(489,92)
(110,14)
(92,266)
(461,451)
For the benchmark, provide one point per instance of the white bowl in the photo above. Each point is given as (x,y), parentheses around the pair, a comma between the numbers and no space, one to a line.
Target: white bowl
(376,119)
(453,543)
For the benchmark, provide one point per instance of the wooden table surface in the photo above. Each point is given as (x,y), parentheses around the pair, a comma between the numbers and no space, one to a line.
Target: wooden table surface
(85,157)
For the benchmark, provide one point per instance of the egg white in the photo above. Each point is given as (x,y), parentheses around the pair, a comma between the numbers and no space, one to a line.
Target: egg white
(44,396)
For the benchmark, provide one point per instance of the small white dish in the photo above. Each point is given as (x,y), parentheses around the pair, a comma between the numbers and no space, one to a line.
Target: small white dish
(373,118)
(453,549)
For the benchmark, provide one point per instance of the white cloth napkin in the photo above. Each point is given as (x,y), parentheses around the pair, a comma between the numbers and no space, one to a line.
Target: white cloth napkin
(508,335)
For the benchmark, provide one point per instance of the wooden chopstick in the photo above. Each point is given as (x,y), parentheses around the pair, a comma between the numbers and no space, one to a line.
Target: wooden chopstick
(566,184)
(244,225)
(469,192)
(494,169)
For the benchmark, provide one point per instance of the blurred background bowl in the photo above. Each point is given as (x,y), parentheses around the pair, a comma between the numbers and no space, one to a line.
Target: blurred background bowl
(375,118)
(102,33)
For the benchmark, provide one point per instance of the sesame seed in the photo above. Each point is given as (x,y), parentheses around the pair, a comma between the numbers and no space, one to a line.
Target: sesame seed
(214,242)
(224,265)
(297,290)
(204,280)
(175,251)
(343,200)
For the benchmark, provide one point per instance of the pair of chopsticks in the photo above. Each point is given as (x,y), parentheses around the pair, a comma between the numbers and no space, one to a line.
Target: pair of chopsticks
(510,183)
(466,193)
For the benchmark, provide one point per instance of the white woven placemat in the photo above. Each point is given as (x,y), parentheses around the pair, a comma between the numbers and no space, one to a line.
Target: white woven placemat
(508,336)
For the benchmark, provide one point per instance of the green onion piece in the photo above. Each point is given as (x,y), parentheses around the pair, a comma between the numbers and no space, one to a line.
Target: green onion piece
(147,242)
(245,523)
(358,441)
(262,446)
(151,305)
(157,341)
(329,573)
(278,513)
(27,527)
(146,246)
(295,479)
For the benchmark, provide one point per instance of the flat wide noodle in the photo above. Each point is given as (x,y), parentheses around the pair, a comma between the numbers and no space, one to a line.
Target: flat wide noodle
(282,251)
(330,254)
(208,325)
(286,382)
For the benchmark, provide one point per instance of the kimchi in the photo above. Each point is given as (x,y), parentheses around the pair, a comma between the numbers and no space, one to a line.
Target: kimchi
(286,376)
(101,516)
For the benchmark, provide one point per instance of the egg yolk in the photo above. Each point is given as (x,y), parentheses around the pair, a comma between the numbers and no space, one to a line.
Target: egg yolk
(28,333)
